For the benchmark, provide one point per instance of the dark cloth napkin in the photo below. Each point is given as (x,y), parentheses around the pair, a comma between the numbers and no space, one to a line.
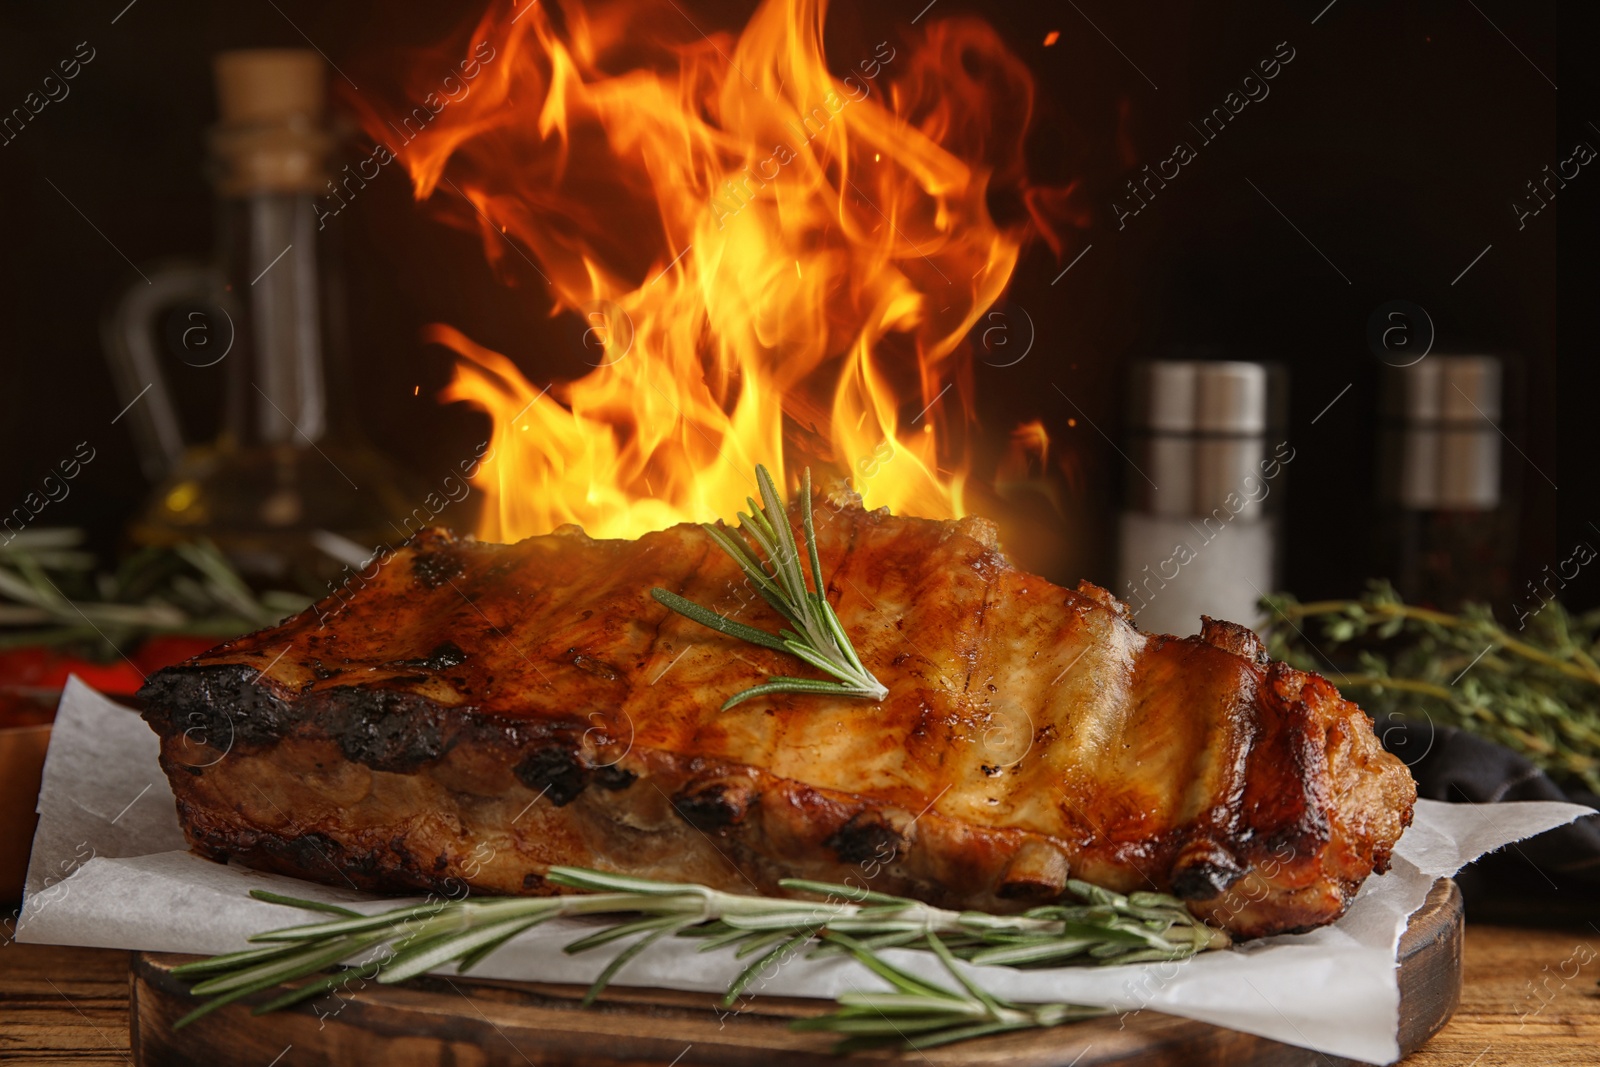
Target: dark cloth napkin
(1555,876)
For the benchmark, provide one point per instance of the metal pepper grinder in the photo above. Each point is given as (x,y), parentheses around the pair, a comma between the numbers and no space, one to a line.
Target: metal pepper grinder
(1448,531)
(1200,528)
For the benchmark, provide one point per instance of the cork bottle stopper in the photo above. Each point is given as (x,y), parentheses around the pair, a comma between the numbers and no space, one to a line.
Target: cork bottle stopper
(266,85)
(272,138)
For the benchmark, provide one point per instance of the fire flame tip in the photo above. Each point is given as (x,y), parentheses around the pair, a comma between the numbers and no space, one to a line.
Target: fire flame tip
(659,181)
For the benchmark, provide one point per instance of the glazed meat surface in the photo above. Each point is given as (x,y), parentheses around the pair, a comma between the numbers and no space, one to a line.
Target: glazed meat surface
(467,715)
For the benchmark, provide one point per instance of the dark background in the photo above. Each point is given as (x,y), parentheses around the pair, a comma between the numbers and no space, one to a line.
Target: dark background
(1396,141)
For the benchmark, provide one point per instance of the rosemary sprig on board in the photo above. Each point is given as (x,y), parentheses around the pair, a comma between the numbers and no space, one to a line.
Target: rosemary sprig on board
(817,636)
(392,946)
(1536,691)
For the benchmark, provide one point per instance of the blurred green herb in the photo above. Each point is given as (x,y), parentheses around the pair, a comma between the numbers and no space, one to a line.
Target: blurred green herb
(51,593)
(1536,691)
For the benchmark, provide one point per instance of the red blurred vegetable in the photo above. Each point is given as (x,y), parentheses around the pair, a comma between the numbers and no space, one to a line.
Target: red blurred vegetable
(47,668)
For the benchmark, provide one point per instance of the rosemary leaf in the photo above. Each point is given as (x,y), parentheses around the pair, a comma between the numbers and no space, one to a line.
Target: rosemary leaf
(785,947)
(616,933)
(467,944)
(950,965)
(664,929)
(288,967)
(231,961)
(757,942)
(908,1004)
(479,954)
(854,894)
(967,1033)
(901,980)
(719,623)
(305,905)
(783,684)
(607,881)
(721,938)
(1038,952)
(336,980)
(351,926)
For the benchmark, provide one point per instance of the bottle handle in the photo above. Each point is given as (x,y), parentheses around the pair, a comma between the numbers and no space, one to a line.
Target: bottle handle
(129,337)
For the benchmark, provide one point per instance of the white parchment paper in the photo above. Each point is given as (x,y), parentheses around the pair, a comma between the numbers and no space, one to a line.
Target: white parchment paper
(110,869)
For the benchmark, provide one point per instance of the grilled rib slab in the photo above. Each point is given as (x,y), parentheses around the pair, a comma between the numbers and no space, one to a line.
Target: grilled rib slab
(461,716)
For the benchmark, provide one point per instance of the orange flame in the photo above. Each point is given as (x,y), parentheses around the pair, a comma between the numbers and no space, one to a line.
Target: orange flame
(777,263)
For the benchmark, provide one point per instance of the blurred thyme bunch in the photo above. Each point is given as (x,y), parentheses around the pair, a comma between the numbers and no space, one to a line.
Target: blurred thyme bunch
(52,593)
(1536,691)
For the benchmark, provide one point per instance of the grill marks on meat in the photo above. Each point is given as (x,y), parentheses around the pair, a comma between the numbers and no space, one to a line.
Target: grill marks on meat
(476,713)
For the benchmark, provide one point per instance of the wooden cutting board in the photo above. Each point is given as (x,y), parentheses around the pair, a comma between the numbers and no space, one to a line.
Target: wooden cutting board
(459,1022)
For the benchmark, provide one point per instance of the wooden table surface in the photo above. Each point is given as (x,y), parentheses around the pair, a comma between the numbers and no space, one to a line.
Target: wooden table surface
(1530,998)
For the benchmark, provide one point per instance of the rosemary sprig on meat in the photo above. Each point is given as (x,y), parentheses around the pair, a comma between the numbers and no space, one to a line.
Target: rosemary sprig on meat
(817,636)
(1536,691)
(402,943)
